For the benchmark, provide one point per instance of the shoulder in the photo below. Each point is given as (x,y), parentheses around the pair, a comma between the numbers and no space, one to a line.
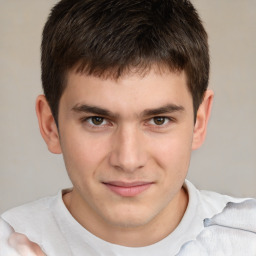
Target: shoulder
(35,209)
(215,202)
(241,216)
(30,216)
(34,206)
(229,229)
(209,202)
(231,232)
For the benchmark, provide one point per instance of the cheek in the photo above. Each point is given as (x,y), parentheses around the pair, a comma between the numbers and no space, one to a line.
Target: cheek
(173,153)
(82,155)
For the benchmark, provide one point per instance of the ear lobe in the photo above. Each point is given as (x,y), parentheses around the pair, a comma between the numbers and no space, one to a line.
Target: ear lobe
(202,118)
(47,125)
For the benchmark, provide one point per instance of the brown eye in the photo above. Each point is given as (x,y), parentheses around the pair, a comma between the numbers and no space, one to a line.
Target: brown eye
(159,120)
(96,120)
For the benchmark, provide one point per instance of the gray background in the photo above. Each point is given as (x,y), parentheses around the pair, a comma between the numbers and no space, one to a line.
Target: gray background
(227,161)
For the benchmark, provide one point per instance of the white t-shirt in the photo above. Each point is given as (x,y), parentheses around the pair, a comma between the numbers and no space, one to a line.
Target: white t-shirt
(210,226)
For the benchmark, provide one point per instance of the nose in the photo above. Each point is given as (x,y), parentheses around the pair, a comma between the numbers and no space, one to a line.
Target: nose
(128,150)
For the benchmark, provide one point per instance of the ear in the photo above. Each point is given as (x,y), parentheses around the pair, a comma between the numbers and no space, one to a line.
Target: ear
(202,118)
(47,125)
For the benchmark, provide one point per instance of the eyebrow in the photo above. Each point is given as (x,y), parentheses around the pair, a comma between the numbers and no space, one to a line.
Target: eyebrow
(169,108)
(93,110)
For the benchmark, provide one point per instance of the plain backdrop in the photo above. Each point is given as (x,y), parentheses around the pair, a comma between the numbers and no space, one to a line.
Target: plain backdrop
(227,161)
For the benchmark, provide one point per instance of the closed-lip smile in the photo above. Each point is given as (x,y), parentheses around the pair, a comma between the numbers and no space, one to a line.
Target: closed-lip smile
(128,189)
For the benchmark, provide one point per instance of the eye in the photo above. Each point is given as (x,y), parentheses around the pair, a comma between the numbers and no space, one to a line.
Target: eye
(96,120)
(159,120)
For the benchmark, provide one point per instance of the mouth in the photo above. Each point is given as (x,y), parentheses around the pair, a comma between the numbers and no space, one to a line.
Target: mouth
(128,189)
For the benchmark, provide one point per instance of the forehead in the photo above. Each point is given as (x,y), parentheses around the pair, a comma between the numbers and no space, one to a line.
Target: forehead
(130,91)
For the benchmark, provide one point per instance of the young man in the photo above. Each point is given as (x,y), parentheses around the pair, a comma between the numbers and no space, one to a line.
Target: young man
(126,101)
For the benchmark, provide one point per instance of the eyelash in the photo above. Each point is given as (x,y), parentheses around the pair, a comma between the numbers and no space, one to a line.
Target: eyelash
(88,120)
(166,120)
(108,123)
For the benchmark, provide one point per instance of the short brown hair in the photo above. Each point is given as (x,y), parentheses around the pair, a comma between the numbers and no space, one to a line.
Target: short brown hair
(111,37)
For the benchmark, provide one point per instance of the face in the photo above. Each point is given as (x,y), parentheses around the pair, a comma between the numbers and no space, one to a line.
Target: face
(126,143)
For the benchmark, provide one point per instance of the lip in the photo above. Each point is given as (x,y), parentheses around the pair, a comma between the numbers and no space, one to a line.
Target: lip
(128,189)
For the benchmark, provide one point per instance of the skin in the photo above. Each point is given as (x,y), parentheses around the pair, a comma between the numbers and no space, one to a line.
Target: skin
(142,139)
(23,246)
